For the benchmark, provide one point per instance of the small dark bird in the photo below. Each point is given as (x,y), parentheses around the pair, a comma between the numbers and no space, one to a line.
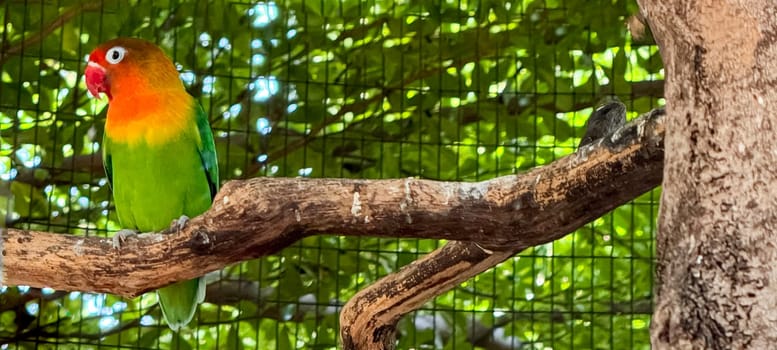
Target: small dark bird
(609,116)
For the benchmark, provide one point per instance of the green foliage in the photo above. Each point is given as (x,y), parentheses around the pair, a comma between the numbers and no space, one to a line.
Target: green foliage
(448,90)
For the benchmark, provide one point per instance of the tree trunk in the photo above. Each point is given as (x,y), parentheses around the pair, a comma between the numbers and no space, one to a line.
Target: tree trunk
(716,240)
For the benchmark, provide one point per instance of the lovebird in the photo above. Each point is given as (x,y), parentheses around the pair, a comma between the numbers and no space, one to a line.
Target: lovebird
(158,152)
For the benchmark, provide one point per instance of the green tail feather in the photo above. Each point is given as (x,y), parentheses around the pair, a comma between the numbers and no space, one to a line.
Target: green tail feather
(179,301)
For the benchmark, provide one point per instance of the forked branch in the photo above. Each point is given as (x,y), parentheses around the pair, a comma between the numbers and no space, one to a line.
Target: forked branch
(618,169)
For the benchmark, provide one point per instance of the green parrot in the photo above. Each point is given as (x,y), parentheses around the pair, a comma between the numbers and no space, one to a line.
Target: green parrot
(158,152)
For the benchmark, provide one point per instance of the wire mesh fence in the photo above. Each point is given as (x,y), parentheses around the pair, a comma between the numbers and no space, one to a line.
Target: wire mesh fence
(445,90)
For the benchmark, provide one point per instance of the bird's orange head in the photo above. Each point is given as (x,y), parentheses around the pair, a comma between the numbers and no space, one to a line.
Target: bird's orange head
(126,66)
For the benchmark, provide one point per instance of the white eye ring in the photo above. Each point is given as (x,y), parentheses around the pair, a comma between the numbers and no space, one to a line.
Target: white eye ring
(115,54)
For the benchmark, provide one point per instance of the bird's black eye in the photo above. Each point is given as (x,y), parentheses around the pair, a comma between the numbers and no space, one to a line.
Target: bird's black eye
(115,54)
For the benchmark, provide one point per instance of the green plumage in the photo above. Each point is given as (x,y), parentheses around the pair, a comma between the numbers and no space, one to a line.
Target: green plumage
(156,184)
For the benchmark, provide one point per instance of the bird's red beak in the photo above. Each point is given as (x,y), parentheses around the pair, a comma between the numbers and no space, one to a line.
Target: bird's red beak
(96,79)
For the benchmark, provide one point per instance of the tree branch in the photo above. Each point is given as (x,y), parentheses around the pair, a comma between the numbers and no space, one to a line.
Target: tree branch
(260,216)
(368,320)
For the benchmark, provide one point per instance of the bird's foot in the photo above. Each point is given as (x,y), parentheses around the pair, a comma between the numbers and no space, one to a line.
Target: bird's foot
(178,224)
(120,237)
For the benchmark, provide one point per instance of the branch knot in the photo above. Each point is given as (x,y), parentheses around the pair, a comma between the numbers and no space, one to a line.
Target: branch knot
(201,242)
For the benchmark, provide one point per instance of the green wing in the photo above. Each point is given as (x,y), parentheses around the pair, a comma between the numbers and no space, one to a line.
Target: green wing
(107,164)
(207,151)
(179,301)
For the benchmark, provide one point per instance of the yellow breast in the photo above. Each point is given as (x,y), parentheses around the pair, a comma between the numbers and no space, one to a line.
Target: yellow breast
(153,119)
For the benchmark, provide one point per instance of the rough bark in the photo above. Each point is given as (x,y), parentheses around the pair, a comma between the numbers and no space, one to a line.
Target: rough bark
(260,216)
(716,239)
(369,319)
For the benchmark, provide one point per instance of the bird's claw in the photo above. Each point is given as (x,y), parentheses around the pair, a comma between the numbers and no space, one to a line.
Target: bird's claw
(120,237)
(178,224)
